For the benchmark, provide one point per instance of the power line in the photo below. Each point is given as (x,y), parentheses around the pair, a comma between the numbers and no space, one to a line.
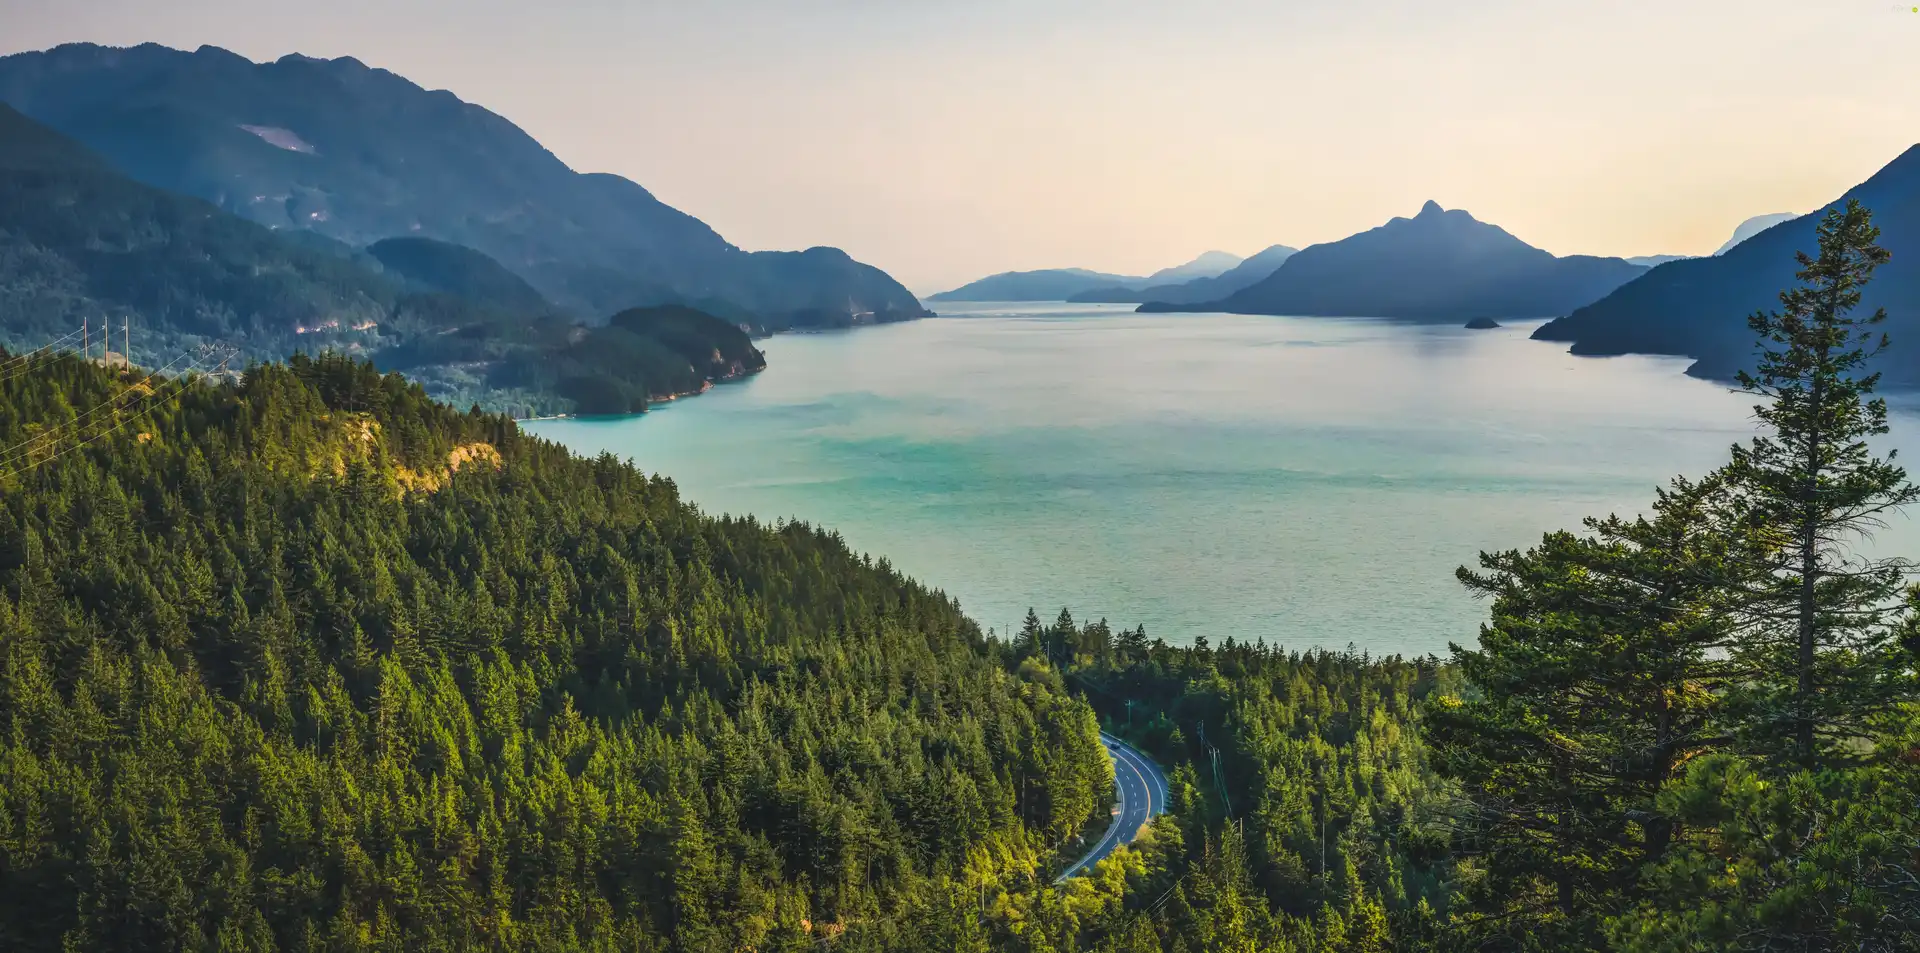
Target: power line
(25,448)
(22,363)
(56,342)
(81,419)
(108,431)
(182,380)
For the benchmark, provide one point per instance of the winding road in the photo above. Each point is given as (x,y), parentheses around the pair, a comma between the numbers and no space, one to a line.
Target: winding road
(1142,794)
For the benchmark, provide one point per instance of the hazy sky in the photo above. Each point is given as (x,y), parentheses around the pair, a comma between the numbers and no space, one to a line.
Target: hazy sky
(947,139)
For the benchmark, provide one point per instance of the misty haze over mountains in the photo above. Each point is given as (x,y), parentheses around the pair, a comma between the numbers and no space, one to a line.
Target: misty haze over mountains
(1062,284)
(359,154)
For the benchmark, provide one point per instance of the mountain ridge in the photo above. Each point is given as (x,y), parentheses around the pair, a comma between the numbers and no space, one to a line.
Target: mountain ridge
(1698,308)
(1250,270)
(1753,226)
(1066,284)
(1438,265)
(81,240)
(379,156)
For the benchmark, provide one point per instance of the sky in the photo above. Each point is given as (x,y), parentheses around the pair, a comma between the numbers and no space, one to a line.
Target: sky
(943,140)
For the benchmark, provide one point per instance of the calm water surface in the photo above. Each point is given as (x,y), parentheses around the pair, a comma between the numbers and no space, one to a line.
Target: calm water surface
(1303,481)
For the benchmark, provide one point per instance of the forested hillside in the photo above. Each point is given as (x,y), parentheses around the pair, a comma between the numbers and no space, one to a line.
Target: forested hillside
(1305,813)
(309,662)
(312,663)
(80,242)
(445,268)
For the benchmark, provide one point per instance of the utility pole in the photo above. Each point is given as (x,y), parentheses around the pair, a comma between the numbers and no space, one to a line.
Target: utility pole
(126,340)
(86,339)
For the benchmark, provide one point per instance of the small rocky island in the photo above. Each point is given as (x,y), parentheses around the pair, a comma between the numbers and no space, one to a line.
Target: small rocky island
(1482,324)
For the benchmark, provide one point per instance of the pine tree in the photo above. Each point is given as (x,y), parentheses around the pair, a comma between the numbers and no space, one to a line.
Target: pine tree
(1595,681)
(1816,612)
(1027,640)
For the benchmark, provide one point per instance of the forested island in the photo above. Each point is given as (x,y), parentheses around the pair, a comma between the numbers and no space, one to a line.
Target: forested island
(309,661)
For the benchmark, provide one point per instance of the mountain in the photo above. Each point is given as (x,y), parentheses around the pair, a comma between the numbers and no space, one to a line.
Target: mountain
(1070,284)
(1206,265)
(1649,261)
(1754,226)
(446,268)
(1437,266)
(1049,284)
(638,357)
(361,154)
(1214,288)
(1698,308)
(81,242)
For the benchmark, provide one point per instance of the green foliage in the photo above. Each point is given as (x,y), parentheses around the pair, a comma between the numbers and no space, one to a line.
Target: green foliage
(1594,680)
(78,239)
(642,353)
(713,346)
(1698,307)
(1821,861)
(293,664)
(1319,826)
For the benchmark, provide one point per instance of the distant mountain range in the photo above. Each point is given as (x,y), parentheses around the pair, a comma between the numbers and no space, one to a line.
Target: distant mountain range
(1754,226)
(1211,288)
(1744,231)
(79,241)
(1046,284)
(1064,284)
(1206,265)
(360,155)
(1439,265)
(1698,307)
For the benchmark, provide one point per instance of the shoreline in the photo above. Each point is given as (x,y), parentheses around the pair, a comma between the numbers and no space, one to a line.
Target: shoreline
(652,402)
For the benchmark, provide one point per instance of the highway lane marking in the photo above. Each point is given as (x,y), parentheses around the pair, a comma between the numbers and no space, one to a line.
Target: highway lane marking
(1127,755)
(1120,752)
(1153,774)
(1113,830)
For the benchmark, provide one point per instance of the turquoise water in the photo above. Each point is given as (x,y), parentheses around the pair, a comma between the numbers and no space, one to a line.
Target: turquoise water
(1303,481)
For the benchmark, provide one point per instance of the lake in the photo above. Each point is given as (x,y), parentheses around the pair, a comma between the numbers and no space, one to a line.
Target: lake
(1306,481)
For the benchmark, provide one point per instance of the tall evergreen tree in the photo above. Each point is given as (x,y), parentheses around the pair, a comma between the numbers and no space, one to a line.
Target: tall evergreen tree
(1816,612)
